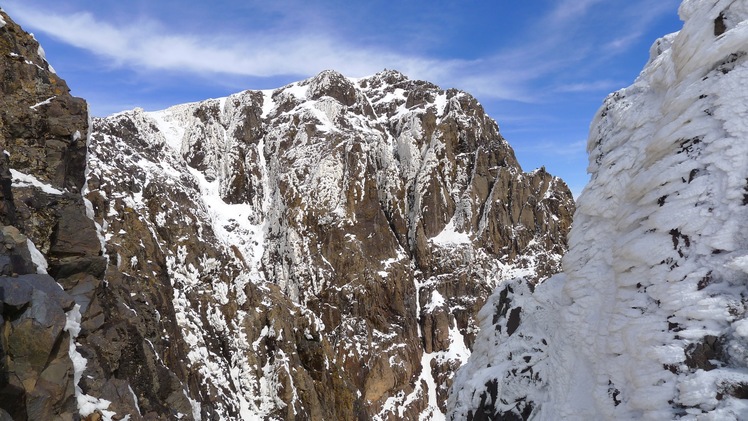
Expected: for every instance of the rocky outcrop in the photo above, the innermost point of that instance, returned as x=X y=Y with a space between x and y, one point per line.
x=36 y=373
x=648 y=319
x=47 y=238
x=325 y=245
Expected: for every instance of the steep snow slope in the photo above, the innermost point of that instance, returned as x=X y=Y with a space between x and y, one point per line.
x=648 y=319
x=322 y=248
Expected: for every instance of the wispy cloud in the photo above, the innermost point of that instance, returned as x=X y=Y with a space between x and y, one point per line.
x=557 y=148
x=592 y=86
x=567 y=11
x=516 y=73
x=624 y=42
x=637 y=16
x=144 y=45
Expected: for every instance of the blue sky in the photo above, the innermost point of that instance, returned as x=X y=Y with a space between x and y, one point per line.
x=541 y=68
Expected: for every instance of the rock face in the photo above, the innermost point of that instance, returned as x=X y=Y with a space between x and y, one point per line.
x=648 y=319
x=318 y=251
x=47 y=240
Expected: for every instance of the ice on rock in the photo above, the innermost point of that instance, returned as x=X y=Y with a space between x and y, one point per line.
x=648 y=318
x=451 y=237
x=37 y=257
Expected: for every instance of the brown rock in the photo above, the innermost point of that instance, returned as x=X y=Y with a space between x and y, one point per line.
x=74 y=234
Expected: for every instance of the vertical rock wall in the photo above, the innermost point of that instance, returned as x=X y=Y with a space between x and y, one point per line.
x=380 y=212
x=47 y=239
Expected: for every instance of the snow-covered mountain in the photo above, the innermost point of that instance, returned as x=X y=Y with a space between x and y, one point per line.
x=315 y=251
x=318 y=251
x=648 y=318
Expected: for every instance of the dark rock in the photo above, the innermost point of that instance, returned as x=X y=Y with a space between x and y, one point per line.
x=719 y=25
x=123 y=398
x=14 y=292
x=15 y=251
x=81 y=287
x=513 y=322
x=11 y=401
x=333 y=84
x=44 y=130
x=75 y=234
x=47 y=285
x=70 y=266
x=700 y=355
x=5 y=416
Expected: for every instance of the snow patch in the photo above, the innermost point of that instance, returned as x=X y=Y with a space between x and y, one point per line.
x=451 y=237
x=45 y=102
x=87 y=404
x=25 y=180
x=37 y=257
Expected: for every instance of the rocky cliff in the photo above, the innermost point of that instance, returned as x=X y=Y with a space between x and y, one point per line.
x=48 y=240
x=318 y=251
x=648 y=319
x=325 y=246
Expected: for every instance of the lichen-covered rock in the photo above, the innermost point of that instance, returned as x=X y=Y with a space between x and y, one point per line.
x=42 y=127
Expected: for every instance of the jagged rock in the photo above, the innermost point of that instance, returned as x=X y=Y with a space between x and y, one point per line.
x=43 y=132
x=15 y=293
x=74 y=234
x=36 y=373
x=43 y=127
x=16 y=257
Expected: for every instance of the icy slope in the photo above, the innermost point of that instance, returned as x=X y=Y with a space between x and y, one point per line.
x=322 y=248
x=648 y=320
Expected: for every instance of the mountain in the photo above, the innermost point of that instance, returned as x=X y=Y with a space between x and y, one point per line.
x=327 y=244
x=648 y=318
x=317 y=251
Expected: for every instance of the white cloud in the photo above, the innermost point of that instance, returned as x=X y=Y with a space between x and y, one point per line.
x=144 y=45
x=568 y=11
x=517 y=72
x=591 y=86
x=557 y=148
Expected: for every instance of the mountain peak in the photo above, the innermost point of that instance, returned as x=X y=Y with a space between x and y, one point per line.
x=333 y=84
